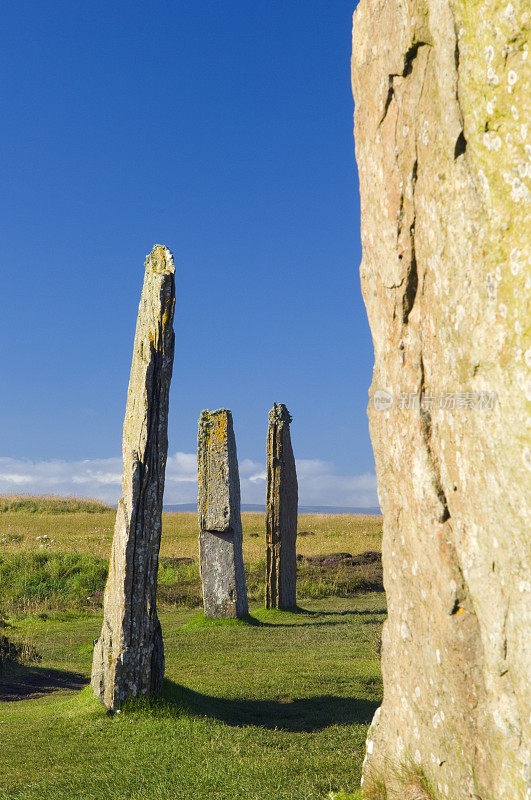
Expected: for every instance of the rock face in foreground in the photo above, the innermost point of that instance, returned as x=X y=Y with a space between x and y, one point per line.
x=220 y=525
x=441 y=126
x=129 y=655
x=281 y=512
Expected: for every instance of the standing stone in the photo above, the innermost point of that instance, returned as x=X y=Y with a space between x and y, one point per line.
x=281 y=512
x=220 y=525
x=129 y=655
x=442 y=105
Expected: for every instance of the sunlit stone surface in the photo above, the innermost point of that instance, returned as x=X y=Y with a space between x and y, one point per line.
x=129 y=655
x=441 y=126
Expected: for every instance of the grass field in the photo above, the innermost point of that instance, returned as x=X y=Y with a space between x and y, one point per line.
x=275 y=706
x=278 y=708
x=58 y=561
x=81 y=532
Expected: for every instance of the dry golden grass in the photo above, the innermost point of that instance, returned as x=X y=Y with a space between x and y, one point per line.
x=92 y=533
x=50 y=503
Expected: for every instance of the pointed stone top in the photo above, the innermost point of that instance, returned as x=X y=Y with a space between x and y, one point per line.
x=279 y=413
x=160 y=260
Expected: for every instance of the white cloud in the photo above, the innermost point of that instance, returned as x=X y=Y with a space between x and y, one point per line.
x=14 y=478
x=182 y=468
x=89 y=478
x=320 y=483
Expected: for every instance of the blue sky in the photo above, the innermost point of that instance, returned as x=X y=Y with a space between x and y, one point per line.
x=223 y=130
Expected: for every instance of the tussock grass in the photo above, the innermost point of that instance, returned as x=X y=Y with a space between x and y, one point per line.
x=404 y=779
x=413 y=781
x=20 y=651
x=16 y=652
x=374 y=786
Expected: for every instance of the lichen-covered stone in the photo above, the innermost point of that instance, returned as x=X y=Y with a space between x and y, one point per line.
x=281 y=512
x=220 y=526
x=441 y=127
x=129 y=655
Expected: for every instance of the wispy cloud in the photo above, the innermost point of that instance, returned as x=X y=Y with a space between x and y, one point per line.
x=320 y=483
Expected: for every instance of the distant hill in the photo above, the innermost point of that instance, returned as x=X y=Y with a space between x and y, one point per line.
x=191 y=507
x=55 y=504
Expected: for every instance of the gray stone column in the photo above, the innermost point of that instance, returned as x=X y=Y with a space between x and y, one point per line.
x=220 y=527
x=281 y=512
x=129 y=655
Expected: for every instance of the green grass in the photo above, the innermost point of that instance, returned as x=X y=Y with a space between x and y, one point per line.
x=31 y=582
x=53 y=560
x=47 y=581
x=276 y=706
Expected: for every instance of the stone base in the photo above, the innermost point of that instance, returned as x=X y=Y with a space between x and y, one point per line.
x=222 y=574
x=117 y=674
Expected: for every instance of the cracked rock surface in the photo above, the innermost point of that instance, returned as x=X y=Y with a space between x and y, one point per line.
x=442 y=105
x=129 y=655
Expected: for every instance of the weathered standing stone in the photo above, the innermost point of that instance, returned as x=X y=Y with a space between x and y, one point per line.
x=220 y=525
x=441 y=119
x=281 y=512
x=129 y=655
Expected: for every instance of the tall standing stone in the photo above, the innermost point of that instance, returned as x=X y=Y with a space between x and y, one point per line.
x=129 y=655
x=281 y=512
x=220 y=525
x=442 y=104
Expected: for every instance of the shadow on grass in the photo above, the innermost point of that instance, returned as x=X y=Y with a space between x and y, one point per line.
x=355 y=612
x=302 y=714
x=20 y=682
x=318 y=615
x=283 y=618
x=320 y=620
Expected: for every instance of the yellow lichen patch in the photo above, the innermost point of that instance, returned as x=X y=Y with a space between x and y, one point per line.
x=160 y=260
x=220 y=428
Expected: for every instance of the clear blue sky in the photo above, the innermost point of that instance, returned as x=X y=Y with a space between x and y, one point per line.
x=223 y=130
